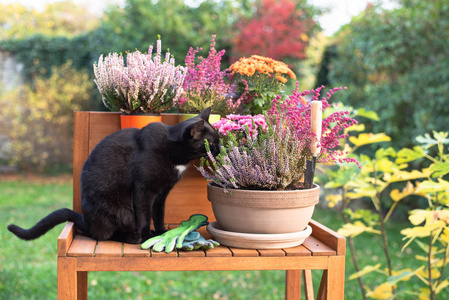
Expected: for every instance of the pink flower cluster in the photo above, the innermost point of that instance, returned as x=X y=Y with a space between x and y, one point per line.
x=237 y=124
x=298 y=116
x=204 y=83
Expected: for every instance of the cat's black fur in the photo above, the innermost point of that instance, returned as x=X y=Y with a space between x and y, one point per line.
x=126 y=179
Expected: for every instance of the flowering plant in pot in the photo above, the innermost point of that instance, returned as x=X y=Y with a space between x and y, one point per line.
x=257 y=80
x=205 y=84
x=264 y=160
x=146 y=83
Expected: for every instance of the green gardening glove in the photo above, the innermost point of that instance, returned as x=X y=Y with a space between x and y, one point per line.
x=175 y=237
x=194 y=240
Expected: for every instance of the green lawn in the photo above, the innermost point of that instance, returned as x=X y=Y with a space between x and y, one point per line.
x=28 y=269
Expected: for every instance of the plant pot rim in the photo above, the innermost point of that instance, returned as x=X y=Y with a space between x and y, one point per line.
x=140 y=113
x=257 y=240
x=263 y=198
x=315 y=186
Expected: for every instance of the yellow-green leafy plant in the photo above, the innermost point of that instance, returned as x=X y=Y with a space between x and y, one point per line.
x=430 y=229
x=346 y=183
x=376 y=181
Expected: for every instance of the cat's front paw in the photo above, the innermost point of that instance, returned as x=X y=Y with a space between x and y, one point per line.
x=133 y=238
x=157 y=232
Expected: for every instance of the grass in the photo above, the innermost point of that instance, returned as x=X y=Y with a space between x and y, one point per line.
x=28 y=269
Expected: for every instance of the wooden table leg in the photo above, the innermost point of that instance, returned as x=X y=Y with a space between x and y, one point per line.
x=308 y=285
x=332 y=284
x=67 y=278
x=293 y=284
x=81 y=285
x=336 y=278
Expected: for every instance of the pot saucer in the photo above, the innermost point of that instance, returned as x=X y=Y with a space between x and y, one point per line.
x=257 y=241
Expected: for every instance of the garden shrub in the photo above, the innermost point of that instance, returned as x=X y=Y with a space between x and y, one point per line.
x=39 y=118
x=395 y=62
x=377 y=180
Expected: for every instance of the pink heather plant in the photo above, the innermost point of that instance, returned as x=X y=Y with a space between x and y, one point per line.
x=275 y=157
x=145 y=84
x=234 y=124
x=298 y=116
x=205 y=84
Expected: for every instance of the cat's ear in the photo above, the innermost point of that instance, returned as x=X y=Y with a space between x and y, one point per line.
x=196 y=130
x=204 y=115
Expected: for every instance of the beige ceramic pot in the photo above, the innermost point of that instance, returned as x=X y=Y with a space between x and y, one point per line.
x=267 y=212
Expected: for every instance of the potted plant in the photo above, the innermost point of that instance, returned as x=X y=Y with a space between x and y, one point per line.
x=257 y=80
x=205 y=85
x=146 y=84
x=257 y=179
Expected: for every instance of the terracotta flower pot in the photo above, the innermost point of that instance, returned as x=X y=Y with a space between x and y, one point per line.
x=170 y=118
x=267 y=212
x=138 y=121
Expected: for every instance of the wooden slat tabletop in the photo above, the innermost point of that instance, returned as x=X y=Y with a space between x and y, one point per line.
x=318 y=248
x=83 y=246
x=109 y=249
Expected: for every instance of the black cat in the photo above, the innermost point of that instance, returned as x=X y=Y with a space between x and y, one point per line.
x=127 y=177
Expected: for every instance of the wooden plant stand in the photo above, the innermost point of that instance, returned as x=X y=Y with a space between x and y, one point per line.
x=77 y=254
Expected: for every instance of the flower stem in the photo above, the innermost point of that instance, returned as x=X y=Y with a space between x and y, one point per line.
x=376 y=199
x=429 y=268
x=443 y=266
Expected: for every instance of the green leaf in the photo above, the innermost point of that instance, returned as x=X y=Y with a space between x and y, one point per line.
x=381 y=153
x=385 y=165
x=441 y=137
x=426 y=141
x=442 y=286
x=369 y=138
x=432 y=186
x=332 y=185
x=358 y=127
x=344 y=175
x=364 y=271
x=364 y=214
x=407 y=155
x=440 y=169
x=367 y=114
x=404 y=175
x=404 y=275
x=356 y=228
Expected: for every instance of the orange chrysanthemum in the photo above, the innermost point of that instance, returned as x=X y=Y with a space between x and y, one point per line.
x=263 y=65
x=281 y=79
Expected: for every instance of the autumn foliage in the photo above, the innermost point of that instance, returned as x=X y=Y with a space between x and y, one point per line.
x=278 y=29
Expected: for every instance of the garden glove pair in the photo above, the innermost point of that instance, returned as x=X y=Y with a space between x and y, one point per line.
x=194 y=240
x=177 y=237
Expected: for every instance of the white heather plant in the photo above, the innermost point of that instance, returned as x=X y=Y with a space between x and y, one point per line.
x=145 y=84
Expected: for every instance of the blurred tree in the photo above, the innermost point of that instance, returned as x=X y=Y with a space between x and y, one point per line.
x=63 y=18
x=181 y=26
x=279 y=29
x=395 y=63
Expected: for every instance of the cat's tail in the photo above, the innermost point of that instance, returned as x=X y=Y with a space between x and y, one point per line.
x=43 y=226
